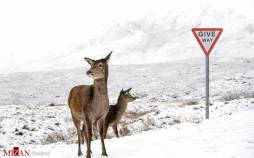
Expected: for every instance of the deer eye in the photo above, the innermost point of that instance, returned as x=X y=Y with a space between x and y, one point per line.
x=100 y=65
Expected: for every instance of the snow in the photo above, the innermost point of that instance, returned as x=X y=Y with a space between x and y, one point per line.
x=164 y=82
x=173 y=94
x=160 y=38
x=154 y=52
x=227 y=136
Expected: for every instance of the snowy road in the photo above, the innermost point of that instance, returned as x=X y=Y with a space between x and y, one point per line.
x=231 y=136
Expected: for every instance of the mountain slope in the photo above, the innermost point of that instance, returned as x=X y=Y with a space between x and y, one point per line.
x=150 y=38
x=164 y=37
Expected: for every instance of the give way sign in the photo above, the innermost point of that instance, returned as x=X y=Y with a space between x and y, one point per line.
x=207 y=38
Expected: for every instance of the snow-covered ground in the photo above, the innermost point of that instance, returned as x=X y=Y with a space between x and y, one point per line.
x=226 y=136
x=169 y=94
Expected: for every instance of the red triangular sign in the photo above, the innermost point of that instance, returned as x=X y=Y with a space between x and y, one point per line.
x=207 y=38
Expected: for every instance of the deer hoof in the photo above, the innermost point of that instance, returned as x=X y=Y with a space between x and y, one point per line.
x=88 y=155
x=104 y=154
x=80 y=153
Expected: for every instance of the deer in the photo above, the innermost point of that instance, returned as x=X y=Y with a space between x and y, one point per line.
x=116 y=111
x=89 y=103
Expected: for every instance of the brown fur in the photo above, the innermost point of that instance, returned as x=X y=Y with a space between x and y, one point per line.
x=89 y=103
x=116 y=111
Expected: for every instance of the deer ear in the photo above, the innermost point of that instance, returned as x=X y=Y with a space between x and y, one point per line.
x=107 y=58
x=128 y=90
x=90 y=61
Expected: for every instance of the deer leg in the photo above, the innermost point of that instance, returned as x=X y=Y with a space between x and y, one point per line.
x=105 y=129
x=95 y=130
x=77 y=124
x=89 y=137
x=115 y=130
x=100 y=127
x=84 y=135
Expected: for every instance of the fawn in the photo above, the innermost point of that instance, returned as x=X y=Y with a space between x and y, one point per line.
x=116 y=111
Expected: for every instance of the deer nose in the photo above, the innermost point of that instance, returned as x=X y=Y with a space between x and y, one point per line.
x=89 y=72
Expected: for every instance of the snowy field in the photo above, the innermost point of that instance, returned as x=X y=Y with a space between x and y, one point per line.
x=173 y=94
x=162 y=82
x=227 y=137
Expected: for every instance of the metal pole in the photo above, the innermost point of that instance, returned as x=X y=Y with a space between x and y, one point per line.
x=207 y=88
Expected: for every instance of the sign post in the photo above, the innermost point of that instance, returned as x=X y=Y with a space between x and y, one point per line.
x=207 y=87
x=207 y=38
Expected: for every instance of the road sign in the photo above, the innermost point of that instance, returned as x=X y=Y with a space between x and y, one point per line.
x=207 y=38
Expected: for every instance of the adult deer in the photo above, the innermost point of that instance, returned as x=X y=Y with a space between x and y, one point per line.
x=90 y=104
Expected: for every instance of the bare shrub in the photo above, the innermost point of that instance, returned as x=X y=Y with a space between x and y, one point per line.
x=248 y=94
x=138 y=114
x=191 y=102
x=177 y=120
x=134 y=114
x=238 y=95
x=52 y=104
x=52 y=138
x=231 y=96
x=124 y=131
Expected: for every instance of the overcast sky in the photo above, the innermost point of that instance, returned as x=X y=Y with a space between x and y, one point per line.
x=33 y=30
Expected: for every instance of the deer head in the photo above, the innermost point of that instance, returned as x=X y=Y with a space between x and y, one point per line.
x=125 y=94
x=99 y=68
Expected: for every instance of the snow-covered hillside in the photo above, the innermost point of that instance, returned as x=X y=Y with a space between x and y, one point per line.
x=147 y=38
x=163 y=82
x=162 y=38
x=34 y=111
